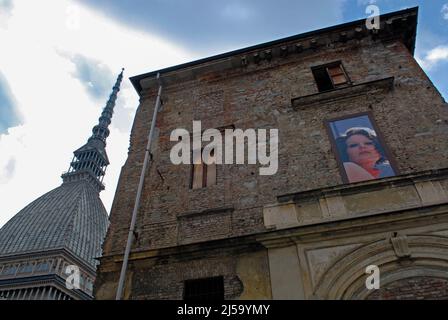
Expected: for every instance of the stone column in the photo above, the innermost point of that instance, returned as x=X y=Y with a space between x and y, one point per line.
x=284 y=268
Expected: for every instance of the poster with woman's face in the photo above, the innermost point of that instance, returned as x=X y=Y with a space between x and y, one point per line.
x=360 y=151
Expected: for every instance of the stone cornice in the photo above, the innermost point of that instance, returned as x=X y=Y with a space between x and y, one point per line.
x=432 y=214
x=53 y=280
x=348 y=92
x=285 y=237
x=366 y=186
x=36 y=255
x=205 y=212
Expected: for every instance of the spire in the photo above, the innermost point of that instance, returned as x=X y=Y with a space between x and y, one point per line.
x=101 y=131
x=90 y=161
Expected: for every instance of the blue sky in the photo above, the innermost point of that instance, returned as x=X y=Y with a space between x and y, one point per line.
x=57 y=67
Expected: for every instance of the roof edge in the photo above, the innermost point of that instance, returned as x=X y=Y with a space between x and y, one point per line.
x=135 y=80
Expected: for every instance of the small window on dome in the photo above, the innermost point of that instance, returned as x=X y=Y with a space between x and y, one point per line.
x=43 y=267
x=26 y=268
x=9 y=270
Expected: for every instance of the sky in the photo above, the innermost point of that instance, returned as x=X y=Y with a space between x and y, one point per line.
x=59 y=60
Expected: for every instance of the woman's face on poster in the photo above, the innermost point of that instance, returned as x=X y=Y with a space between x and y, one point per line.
x=359 y=149
x=362 y=150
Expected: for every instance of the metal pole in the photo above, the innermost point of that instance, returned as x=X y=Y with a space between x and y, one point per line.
x=137 y=199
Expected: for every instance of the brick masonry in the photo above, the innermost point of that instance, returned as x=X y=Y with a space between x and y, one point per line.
x=412 y=117
x=418 y=288
x=407 y=118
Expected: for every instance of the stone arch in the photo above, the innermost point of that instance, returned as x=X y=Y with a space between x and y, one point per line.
x=424 y=283
x=345 y=278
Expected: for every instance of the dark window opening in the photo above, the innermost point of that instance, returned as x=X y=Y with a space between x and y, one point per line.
x=209 y=289
x=331 y=76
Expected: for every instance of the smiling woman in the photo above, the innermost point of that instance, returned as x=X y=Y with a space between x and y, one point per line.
x=360 y=152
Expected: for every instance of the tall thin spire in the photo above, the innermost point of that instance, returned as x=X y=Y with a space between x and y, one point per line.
x=101 y=131
x=90 y=161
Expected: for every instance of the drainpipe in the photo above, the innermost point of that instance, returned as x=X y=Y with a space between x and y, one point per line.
x=148 y=157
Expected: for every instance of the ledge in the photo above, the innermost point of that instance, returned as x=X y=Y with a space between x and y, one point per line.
x=351 y=91
x=384 y=221
x=204 y=212
x=371 y=185
x=50 y=253
x=278 y=237
x=370 y=198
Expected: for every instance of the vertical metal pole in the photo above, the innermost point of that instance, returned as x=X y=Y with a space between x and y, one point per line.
x=122 y=280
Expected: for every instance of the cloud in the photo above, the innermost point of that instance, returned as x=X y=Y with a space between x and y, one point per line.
x=8 y=169
x=95 y=76
x=6 y=7
x=6 y=4
x=214 y=26
x=445 y=11
x=50 y=91
x=433 y=57
x=9 y=114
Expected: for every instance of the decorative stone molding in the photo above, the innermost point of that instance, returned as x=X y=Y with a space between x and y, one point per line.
x=431 y=192
x=192 y=214
x=345 y=279
x=57 y=260
x=348 y=92
x=284 y=215
x=394 y=194
x=401 y=246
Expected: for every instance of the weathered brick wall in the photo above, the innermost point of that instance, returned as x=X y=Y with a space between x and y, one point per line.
x=165 y=280
x=417 y=288
x=412 y=118
x=245 y=274
x=176 y=224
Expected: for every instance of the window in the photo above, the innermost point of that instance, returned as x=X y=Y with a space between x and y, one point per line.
x=9 y=270
x=330 y=76
x=26 y=268
x=43 y=267
x=209 y=289
x=89 y=285
x=203 y=175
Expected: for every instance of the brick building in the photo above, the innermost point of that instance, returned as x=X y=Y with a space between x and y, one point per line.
x=310 y=230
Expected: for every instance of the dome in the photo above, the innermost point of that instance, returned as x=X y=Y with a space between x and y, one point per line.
x=63 y=228
x=70 y=217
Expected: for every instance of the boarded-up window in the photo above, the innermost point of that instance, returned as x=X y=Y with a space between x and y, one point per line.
x=331 y=76
x=337 y=75
x=203 y=175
